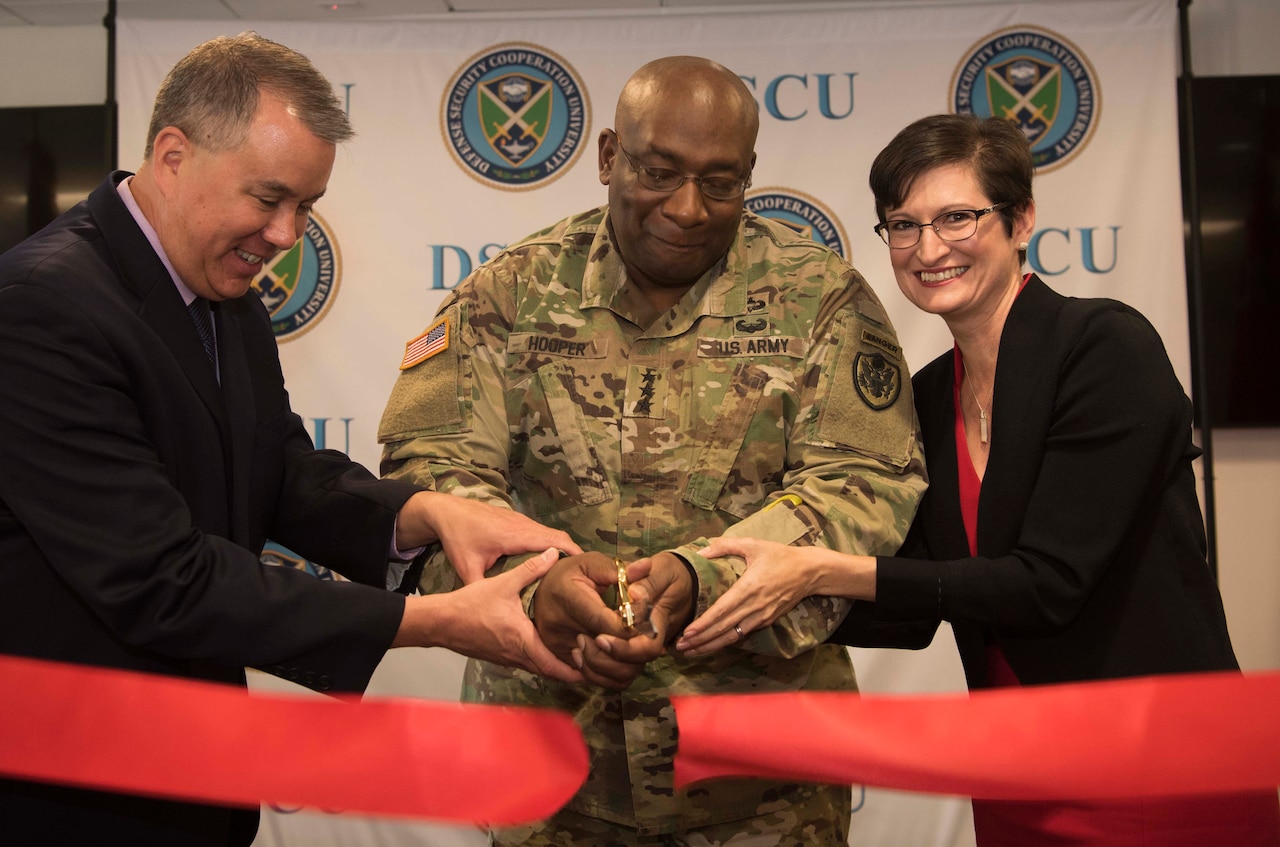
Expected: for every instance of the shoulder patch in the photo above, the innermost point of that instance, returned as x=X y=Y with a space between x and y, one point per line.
x=877 y=380
x=431 y=342
x=864 y=401
x=880 y=340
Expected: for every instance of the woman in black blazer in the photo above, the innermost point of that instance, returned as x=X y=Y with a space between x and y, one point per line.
x=1061 y=534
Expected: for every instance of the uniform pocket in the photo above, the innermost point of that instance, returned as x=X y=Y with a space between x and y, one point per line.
x=560 y=467
x=745 y=451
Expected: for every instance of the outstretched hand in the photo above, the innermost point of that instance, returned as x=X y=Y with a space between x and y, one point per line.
x=570 y=602
x=776 y=579
x=667 y=591
x=473 y=534
x=486 y=620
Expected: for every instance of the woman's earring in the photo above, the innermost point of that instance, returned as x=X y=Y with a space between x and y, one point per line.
x=1022 y=245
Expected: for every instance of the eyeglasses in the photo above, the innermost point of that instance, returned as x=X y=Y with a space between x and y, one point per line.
x=956 y=225
x=667 y=180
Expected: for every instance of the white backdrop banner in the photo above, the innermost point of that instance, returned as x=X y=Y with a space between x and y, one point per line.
x=475 y=130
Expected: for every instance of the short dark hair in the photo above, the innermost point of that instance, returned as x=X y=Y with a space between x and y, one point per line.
x=212 y=93
x=995 y=148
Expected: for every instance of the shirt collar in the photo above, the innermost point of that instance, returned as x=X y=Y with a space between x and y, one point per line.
x=717 y=292
x=130 y=203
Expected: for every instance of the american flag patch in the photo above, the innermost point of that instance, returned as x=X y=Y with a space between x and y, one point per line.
x=431 y=342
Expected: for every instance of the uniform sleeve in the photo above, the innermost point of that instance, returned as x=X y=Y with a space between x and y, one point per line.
x=1118 y=429
x=855 y=467
x=444 y=427
x=862 y=627
x=326 y=507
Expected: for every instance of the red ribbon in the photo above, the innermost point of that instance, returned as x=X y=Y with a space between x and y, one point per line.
x=165 y=737
x=1168 y=736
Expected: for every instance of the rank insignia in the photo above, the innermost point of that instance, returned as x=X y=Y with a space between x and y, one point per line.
x=877 y=380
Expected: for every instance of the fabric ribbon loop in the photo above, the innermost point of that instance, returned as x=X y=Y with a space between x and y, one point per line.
x=1160 y=736
x=165 y=737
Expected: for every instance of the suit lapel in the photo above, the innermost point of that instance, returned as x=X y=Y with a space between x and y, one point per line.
x=168 y=317
x=159 y=304
x=237 y=388
x=1017 y=448
x=933 y=392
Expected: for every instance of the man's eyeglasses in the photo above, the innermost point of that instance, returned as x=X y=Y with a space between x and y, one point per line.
x=956 y=225
x=667 y=180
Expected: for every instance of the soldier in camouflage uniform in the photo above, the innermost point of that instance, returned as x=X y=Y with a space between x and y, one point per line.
x=644 y=376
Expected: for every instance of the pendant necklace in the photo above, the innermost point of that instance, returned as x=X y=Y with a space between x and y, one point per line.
x=983 y=433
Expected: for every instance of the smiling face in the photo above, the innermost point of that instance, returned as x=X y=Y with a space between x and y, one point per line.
x=223 y=214
x=696 y=121
x=972 y=279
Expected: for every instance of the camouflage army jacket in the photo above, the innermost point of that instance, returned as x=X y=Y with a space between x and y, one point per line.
x=559 y=390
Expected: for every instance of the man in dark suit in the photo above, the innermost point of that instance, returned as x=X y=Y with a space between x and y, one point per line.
x=145 y=459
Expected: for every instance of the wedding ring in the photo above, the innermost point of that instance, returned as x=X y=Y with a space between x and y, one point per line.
x=738 y=630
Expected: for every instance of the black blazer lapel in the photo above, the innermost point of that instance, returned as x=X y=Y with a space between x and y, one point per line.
x=1018 y=434
x=237 y=388
x=159 y=305
x=168 y=317
x=933 y=390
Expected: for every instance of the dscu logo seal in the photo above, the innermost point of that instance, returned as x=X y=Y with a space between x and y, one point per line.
x=1038 y=79
x=801 y=212
x=515 y=116
x=278 y=554
x=299 y=285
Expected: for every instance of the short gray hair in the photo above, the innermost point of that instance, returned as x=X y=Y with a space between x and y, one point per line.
x=212 y=93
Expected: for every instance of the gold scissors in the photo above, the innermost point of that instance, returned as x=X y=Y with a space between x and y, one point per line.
x=626 y=609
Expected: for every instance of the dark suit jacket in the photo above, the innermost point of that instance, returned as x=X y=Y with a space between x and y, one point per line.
x=136 y=494
x=1091 y=549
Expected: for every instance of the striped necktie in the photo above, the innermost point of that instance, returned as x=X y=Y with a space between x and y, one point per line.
x=203 y=319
